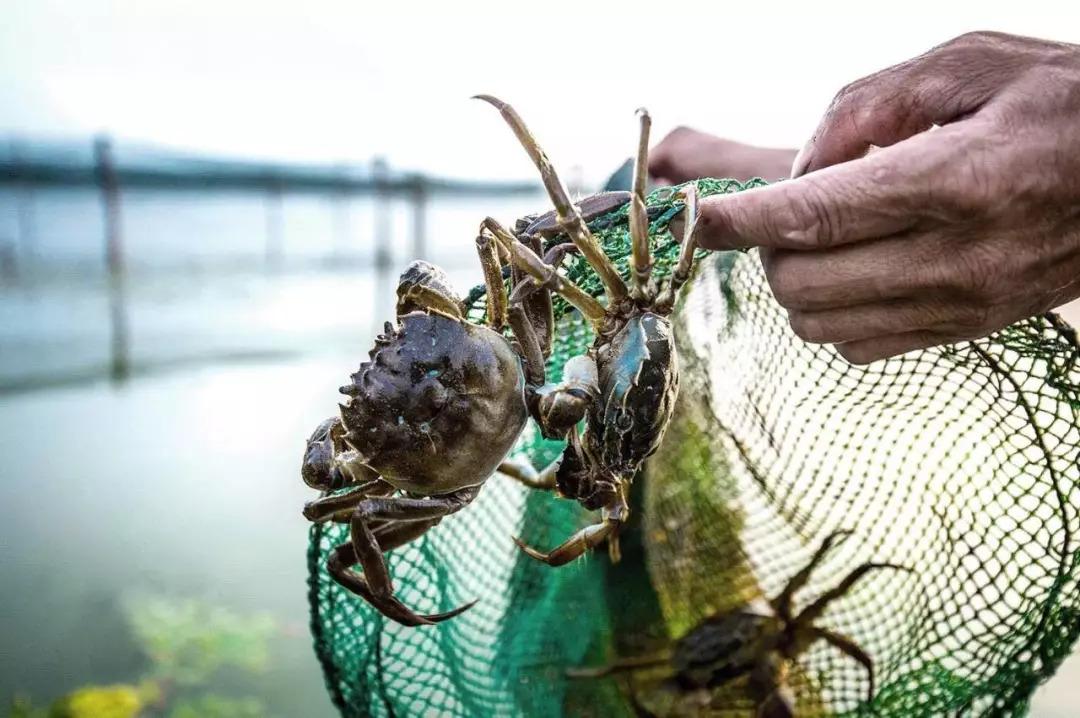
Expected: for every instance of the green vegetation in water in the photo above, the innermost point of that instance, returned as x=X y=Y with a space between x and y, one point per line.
x=187 y=643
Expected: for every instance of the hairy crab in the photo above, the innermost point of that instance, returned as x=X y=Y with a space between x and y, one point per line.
x=759 y=642
x=443 y=400
x=624 y=387
x=432 y=415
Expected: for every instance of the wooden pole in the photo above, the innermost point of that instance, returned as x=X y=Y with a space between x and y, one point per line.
x=9 y=266
x=342 y=222
x=25 y=224
x=383 y=252
x=419 y=219
x=275 y=229
x=120 y=354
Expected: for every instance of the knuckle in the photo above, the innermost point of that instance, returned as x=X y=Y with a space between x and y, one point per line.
x=663 y=153
x=680 y=139
x=974 y=38
x=809 y=219
x=864 y=97
x=680 y=132
x=975 y=181
x=846 y=107
x=963 y=52
x=975 y=273
x=971 y=318
x=848 y=94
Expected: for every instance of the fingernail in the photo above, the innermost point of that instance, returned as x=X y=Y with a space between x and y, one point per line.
x=802 y=161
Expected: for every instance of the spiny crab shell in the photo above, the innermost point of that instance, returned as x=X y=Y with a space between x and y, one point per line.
x=438 y=407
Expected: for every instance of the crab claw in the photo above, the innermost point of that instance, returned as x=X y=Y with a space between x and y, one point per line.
x=388 y=605
x=397 y=611
x=530 y=551
x=574 y=547
x=431 y=619
x=491 y=100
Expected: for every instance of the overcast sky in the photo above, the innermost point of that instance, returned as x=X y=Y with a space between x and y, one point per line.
x=344 y=81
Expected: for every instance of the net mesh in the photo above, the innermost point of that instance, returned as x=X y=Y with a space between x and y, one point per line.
x=960 y=463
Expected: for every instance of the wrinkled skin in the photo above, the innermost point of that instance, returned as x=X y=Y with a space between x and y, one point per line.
x=942 y=235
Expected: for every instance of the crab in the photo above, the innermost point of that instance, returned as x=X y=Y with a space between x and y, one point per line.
x=759 y=642
x=427 y=421
x=624 y=387
x=439 y=407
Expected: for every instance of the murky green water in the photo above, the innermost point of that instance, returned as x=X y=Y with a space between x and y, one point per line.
x=183 y=486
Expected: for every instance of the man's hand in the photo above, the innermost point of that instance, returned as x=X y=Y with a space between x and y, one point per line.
x=687 y=154
x=942 y=235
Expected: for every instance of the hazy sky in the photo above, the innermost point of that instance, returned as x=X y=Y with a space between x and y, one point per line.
x=343 y=81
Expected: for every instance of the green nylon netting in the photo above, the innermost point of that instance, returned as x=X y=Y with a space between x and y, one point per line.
x=960 y=463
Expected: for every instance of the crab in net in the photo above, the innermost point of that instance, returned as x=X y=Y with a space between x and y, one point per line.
x=443 y=400
x=758 y=642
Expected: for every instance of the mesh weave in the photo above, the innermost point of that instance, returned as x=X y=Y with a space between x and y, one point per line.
x=960 y=463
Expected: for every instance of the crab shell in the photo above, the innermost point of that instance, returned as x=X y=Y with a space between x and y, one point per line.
x=438 y=407
x=639 y=381
x=724 y=647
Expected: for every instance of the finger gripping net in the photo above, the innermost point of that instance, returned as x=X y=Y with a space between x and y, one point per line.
x=958 y=463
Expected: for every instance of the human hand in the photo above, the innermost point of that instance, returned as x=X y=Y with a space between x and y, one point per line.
x=687 y=154
x=941 y=235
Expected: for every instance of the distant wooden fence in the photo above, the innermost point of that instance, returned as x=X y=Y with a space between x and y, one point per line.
x=26 y=166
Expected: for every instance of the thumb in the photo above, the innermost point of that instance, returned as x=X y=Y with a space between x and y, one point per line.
x=941 y=86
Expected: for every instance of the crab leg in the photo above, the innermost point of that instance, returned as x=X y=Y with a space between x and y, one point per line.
x=426 y=287
x=847 y=646
x=488 y=251
x=324 y=508
x=782 y=603
x=575 y=546
x=640 y=261
x=568 y=214
x=525 y=259
x=629 y=663
x=558 y=408
x=686 y=253
x=813 y=612
x=530 y=477
x=526 y=288
x=537 y=304
x=585 y=539
x=339 y=566
x=369 y=553
x=531 y=351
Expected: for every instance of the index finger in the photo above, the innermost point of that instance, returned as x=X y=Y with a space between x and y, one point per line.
x=875 y=196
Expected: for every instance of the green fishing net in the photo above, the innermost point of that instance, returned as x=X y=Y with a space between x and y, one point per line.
x=960 y=463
